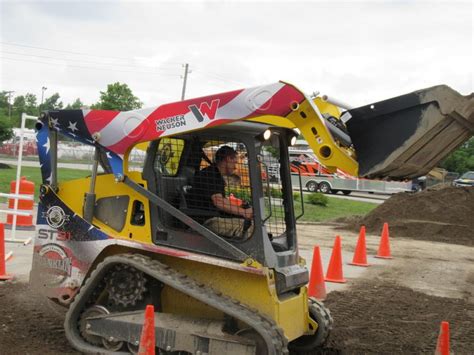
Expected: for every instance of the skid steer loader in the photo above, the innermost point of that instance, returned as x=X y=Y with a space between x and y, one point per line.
x=130 y=235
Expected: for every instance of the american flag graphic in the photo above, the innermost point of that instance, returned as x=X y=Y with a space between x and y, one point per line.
x=117 y=131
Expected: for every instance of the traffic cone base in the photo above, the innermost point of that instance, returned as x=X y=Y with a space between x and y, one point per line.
x=359 y=264
x=360 y=253
x=341 y=281
x=384 y=247
x=316 y=286
x=6 y=277
x=383 y=257
x=334 y=272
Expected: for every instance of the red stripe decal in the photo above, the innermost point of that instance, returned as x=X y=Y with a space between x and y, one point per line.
x=98 y=119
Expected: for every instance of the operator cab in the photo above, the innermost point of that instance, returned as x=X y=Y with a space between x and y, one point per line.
x=173 y=162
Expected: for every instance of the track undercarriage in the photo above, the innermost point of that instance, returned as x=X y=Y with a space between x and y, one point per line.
x=107 y=315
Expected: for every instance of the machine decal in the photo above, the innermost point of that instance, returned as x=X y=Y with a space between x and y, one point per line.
x=205 y=110
x=42 y=141
x=117 y=131
x=170 y=123
x=55 y=216
x=53 y=234
x=55 y=263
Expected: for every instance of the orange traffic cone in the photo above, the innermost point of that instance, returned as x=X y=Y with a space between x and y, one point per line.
x=442 y=346
x=360 y=254
x=384 y=247
x=3 y=275
x=334 y=273
x=317 y=287
x=147 y=339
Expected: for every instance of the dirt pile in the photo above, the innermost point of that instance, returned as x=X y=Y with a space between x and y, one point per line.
x=443 y=214
x=378 y=317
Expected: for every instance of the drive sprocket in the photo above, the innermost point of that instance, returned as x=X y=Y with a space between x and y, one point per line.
x=125 y=285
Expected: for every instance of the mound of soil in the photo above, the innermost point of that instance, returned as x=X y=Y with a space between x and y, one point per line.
x=384 y=318
x=444 y=214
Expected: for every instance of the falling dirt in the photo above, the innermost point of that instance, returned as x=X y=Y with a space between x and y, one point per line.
x=441 y=215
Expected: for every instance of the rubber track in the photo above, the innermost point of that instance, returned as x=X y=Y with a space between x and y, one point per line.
x=276 y=342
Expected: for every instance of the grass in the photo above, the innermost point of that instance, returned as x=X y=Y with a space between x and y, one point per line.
x=34 y=175
x=336 y=207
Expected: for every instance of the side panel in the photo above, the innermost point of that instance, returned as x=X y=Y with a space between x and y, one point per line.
x=70 y=193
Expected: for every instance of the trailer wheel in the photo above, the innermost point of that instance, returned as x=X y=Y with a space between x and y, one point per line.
x=324 y=187
x=346 y=192
x=312 y=186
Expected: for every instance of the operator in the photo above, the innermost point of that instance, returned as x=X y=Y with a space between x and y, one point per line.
x=208 y=193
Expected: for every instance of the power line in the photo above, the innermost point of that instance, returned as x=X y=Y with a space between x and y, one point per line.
x=84 y=67
x=70 y=52
x=221 y=78
x=82 y=61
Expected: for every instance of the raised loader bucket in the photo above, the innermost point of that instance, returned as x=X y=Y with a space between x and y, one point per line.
x=406 y=136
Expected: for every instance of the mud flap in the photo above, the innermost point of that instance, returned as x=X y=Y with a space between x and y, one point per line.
x=406 y=136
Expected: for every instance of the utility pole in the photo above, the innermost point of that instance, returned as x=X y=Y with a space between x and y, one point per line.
x=186 y=71
x=43 y=89
x=10 y=93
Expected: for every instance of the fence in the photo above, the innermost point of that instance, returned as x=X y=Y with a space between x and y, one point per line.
x=16 y=196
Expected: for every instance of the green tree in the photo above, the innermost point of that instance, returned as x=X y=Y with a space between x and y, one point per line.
x=462 y=159
x=5 y=127
x=24 y=104
x=76 y=105
x=117 y=97
x=52 y=103
x=3 y=101
x=31 y=104
x=5 y=124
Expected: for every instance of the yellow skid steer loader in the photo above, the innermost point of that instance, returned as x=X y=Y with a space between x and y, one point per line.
x=138 y=232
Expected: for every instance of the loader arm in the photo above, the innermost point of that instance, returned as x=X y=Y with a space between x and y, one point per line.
x=398 y=138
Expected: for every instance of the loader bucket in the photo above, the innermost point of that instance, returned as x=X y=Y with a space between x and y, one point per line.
x=406 y=136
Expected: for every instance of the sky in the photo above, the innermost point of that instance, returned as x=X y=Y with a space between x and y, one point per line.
x=358 y=52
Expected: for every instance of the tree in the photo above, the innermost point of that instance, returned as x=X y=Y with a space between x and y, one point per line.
x=462 y=159
x=4 y=101
x=24 y=104
x=76 y=105
x=5 y=124
x=52 y=103
x=117 y=97
x=5 y=127
x=31 y=104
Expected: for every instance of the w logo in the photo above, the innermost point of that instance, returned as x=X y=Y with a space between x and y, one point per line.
x=205 y=110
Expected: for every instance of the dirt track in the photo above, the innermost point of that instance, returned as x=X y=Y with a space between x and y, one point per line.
x=394 y=307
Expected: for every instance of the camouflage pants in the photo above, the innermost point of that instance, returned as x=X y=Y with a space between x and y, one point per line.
x=229 y=227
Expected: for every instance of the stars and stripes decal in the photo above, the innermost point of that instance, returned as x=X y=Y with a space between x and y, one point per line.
x=118 y=131
x=43 y=144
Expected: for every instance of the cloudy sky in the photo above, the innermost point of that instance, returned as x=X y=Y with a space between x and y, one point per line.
x=356 y=51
